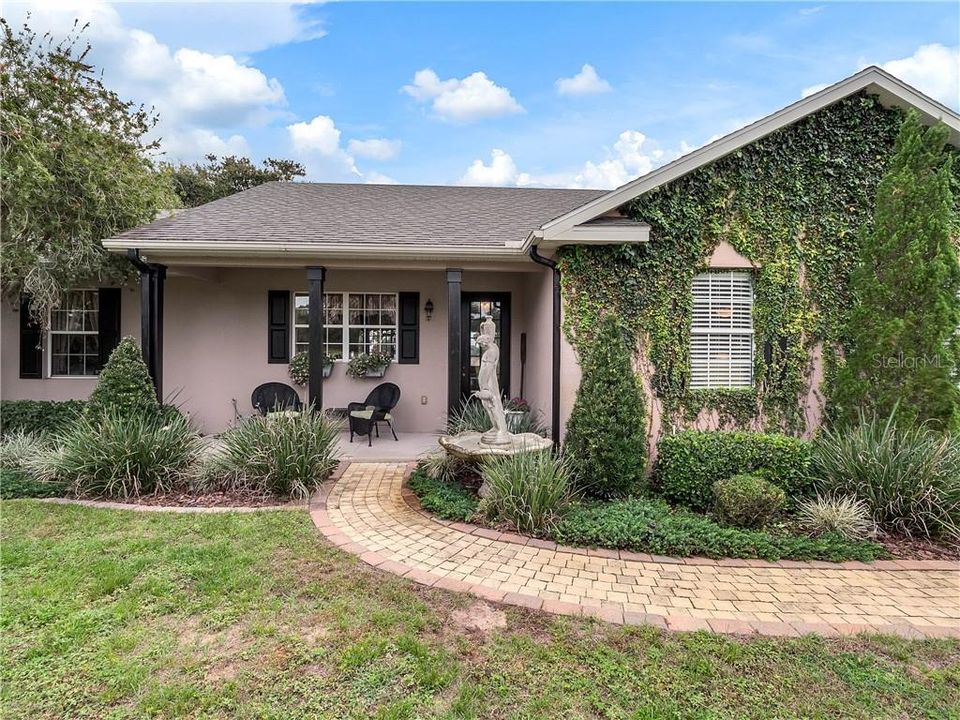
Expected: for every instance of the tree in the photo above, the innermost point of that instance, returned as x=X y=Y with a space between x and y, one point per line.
x=76 y=168
x=124 y=387
x=198 y=184
x=904 y=329
x=606 y=436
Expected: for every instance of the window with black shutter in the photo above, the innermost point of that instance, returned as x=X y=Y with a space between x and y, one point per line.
x=409 y=326
x=278 y=330
x=31 y=350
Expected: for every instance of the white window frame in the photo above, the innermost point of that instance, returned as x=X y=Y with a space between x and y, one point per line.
x=51 y=333
x=346 y=325
x=706 y=374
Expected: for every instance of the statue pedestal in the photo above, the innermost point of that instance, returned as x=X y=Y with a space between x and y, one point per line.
x=471 y=445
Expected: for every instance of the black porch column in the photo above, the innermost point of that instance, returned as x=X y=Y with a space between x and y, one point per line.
x=315 y=277
x=454 y=337
x=151 y=316
x=158 y=277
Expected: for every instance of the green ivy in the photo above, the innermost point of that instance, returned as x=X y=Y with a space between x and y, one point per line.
x=794 y=203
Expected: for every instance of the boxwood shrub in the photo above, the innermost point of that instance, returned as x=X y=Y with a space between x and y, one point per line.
x=38 y=417
x=691 y=461
x=747 y=500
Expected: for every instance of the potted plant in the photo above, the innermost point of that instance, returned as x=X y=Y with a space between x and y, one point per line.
x=300 y=368
x=516 y=409
x=369 y=365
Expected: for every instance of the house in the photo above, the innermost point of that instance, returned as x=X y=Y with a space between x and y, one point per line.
x=231 y=290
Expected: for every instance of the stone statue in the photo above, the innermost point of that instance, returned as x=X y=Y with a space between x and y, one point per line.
x=498 y=440
x=489 y=382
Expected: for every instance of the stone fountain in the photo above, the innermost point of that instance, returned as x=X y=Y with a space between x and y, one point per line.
x=498 y=440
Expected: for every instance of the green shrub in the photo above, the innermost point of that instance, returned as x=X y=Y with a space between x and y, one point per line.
x=529 y=490
x=287 y=454
x=18 y=457
x=124 y=387
x=909 y=477
x=690 y=462
x=38 y=417
x=123 y=456
x=444 y=466
x=469 y=416
x=606 y=440
x=747 y=500
x=444 y=498
x=844 y=515
x=652 y=526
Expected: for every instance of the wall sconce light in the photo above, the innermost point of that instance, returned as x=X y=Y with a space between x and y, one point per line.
x=428 y=309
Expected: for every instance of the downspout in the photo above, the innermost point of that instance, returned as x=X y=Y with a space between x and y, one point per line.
x=555 y=389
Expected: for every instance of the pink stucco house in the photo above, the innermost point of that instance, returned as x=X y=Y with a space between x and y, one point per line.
x=231 y=290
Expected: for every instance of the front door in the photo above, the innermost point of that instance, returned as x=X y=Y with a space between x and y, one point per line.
x=474 y=308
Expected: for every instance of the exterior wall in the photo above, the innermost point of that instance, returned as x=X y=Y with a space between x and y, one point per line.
x=13 y=387
x=215 y=342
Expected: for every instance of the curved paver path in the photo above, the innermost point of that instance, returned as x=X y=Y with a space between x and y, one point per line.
x=367 y=511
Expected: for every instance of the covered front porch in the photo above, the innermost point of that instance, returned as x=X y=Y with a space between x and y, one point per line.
x=212 y=333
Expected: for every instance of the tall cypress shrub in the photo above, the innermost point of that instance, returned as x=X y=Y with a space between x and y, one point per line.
x=124 y=387
x=606 y=435
x=904 y=352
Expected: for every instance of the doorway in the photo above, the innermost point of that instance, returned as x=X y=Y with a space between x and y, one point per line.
x=474 y=307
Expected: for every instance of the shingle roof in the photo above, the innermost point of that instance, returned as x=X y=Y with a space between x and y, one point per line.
x=355 y=214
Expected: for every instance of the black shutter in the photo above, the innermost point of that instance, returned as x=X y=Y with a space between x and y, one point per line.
x=109 y=319
x=278 y=330
x=31 y=350
x=409 y=343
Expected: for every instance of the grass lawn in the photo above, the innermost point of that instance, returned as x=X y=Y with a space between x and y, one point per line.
x=121 y=614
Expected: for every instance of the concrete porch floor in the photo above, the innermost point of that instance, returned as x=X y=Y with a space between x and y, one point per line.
x=410 y=446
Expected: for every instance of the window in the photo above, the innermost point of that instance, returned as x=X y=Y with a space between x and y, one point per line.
x=74 y=335
x=369 y=323
x=721 y=335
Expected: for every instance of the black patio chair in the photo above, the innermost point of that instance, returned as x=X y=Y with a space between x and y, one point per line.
x=274 y=396
x=365 y=417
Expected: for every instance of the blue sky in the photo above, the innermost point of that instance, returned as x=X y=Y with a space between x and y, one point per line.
x=490 y=93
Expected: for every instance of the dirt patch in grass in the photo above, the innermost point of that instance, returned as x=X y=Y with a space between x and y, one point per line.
x=481 y=618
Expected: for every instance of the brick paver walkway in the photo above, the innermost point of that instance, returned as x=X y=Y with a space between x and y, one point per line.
x=368 y=512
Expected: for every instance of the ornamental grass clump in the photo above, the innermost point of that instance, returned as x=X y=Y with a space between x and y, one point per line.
x=844 y=515
x=529 y=490
x=19 y=455
x=908 y=475
x=286 y=454
x=123 y=456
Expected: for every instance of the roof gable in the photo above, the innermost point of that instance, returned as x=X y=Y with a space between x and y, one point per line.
x=891 y=92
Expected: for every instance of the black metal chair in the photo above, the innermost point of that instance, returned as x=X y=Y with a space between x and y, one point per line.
x=365 y=417
x=273 y=397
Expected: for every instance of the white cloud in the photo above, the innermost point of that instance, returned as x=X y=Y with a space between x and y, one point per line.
x=317 y=144
x=933 y=69
x=814 y=89
x=472 y=98
x=375 y=148
x=632 y=155
x=193 y=91
x=190 y=145
x=585 y=82
x=501 y=171
x=376 y=178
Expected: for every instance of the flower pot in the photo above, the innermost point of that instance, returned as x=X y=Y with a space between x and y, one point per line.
x=515 y=419
x=375 y=372
x=327 y=370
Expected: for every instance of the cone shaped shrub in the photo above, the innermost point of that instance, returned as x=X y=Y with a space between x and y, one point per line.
x=606 y=437
x=124 y=388
x=904 y=356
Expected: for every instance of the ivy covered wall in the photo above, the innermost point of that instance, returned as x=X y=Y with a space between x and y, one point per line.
x=794 y=203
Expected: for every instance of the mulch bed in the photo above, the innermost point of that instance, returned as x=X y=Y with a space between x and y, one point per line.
x=904 y=548
x=239 y=498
